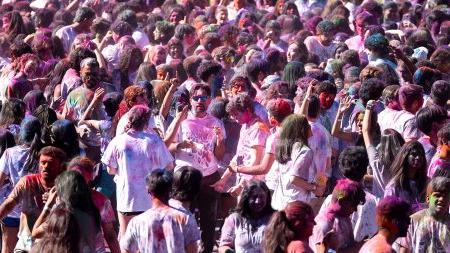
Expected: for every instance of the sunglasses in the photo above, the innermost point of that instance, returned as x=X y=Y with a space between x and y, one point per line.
x=200 y=98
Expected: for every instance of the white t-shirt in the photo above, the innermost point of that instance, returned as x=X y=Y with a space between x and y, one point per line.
x=320 y=144
x=67 y=35
x=160 y=230
x=387 y=118
x=111 y=55
x=135 y=155
x=314 y=46
x=250 y=136
x=11 y=164
x=271 y=176
x=406 y=125
x=140 y=38
x=201 y=132
x=300 y=165
x=155 y=124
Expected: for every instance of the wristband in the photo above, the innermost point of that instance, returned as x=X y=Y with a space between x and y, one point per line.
x=46 y=208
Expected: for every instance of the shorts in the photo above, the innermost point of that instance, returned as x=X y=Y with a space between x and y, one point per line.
x=11 y=222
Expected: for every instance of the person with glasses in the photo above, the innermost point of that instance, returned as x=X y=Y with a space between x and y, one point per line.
x=199 y=143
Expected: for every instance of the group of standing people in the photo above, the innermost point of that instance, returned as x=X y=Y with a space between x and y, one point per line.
x=293 y=126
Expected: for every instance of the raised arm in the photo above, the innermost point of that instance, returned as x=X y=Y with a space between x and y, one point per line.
x=165 y=106
x=336 y=131
x=366 y=130
x=305 y=102
x=98 y=96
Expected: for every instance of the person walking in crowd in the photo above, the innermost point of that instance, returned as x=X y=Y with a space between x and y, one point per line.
x=161 y=228
x=130 y=157
x=29 y=191
x=301 y=96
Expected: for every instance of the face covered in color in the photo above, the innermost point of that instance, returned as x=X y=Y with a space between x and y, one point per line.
x=257 y=200
x=326 y=100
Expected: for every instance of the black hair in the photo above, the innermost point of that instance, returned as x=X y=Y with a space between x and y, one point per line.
x=294 y=129
x=75 y=194
x=78 y=55
x=440 y=92
x=6 y=140
x=314 y=106
x=371 y=89
x=255 y=67
x=122 y=28
x=191 y=64
x=19 y=48
x=83 y=14
x=159 y=183
x=208 y=68
x=64 y=135
x=240 y=103
x=400 y=168
x=186 y=183
x=12 y=112
x=378 y=44
x=353 y=162
x=129 y=17
x=182 y=29
x=326 y=86
x=243 y=208
x=43 y=17
x=426 y=116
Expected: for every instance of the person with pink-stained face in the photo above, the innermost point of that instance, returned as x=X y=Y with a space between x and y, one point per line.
x=393 y=221
x=361 y=22
x=21 y=83
x=5 y=23
x=157 y=55
x=333 y=229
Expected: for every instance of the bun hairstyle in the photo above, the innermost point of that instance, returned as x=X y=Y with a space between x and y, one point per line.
x=138 y=117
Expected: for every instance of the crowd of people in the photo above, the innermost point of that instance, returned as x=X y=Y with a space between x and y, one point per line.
x=247 y=126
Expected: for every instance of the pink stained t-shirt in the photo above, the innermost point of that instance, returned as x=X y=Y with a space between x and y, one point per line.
x=251 y=135
x=201 y=132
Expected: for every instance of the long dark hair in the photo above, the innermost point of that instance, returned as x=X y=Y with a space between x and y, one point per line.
x=243 y=208
x=6 y=140
x=12 y=112
x=17 y=25
x=64 y=135
x=280 y=231
x=130 y=56
x=30 y=135
x=62 y=234
x=391 y=142
x=295 y=128
x=400 y=168
x=75 y=194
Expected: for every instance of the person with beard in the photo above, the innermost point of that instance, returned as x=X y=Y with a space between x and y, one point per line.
x=200 y=144
x=31 y=190
x=393 y=221
x=78 y=100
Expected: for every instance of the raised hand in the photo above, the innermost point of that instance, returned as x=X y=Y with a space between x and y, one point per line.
x=345 y=104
